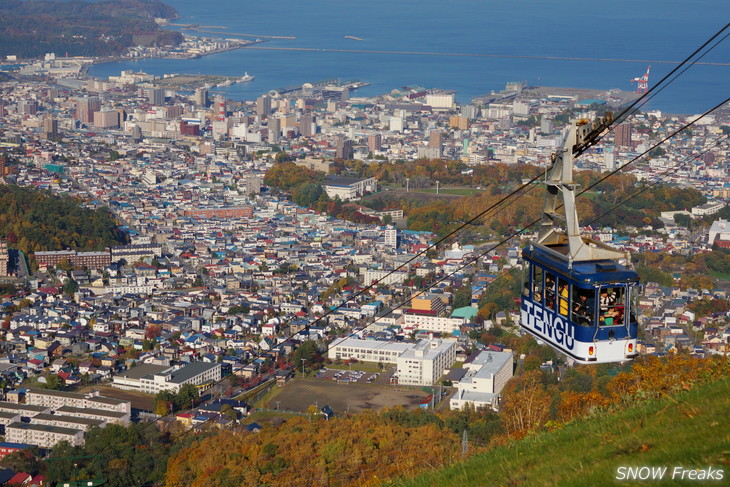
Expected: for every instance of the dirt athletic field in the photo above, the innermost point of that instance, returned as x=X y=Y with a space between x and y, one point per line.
x=139 y=400
x=298 y=395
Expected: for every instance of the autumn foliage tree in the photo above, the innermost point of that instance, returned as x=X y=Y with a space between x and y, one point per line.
x=526 y=404
x=653 y=376
x=363 y=450
x=152 y=331
x=576 y=404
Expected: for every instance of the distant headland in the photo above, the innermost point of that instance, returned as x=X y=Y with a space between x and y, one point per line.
x=108 y=29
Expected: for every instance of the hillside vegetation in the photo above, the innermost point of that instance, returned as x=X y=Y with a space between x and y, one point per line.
x=688 y=430
x=641 y=205
x=32 y=28
x=590 y=427
x=33 y=220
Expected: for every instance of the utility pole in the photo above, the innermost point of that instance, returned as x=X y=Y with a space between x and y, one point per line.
x=408 y=180
x=464 y=444
x=437 y=187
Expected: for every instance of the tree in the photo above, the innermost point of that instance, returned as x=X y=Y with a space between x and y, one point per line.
x=70 y=287
x=54 y=382
x=526 y=404
x=306 y=194
x=161 y=407
x=462 y=297
x=239 y=309
x=61 y=464
x=306 y=352
x=65 y=265
x=152 y=331
x=24 y=461
x=682 y=220
x=186 y=396
x=228 y=411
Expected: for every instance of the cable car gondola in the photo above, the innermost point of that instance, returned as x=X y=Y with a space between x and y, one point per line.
x=578 y=292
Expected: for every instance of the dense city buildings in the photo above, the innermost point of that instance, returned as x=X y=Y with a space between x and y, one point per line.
x=224 y=274
x=86 y=107
x=622 y=135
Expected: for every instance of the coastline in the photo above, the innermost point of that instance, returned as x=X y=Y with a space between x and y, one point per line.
x=182 y=57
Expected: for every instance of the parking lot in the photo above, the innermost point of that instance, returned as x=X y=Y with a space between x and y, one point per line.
x=359 y=376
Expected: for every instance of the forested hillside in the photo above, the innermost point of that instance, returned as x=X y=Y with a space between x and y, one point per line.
x=635 y=203
x=33 y=220
x=78 y=28
x=370 y=448
x=686 y=432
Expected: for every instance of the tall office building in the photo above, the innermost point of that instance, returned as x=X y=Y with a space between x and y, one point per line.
x=156 y=96
x=201 y=97
x=4 y=259
x=375 y=142
x=307 y=126
x=263 y=106
x=28 y=107
x=345 y=149
x=85 y=108
x=137 y=134
x=274 y=130
x=547 y=125
x=458 y=122
x=622 y=135
x=50 y=128
x=106 y=119
x=188 y=129
x=434 y=139
x=392 y=237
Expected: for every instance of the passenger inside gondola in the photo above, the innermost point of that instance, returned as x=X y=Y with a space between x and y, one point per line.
x=537 y=284
x=612 y=309
x=549 y=291
x=563 y=298
x=582 y=306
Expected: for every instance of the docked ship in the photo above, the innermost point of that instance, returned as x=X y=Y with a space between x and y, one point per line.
x=246 y=78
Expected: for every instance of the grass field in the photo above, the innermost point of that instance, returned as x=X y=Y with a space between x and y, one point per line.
x=299 y=394
x=688 y=430
x=454 y=191
x=414 y=194
x=720 y=275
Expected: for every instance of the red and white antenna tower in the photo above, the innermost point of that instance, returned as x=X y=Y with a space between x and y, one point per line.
x=220 y=104
x=643 y=82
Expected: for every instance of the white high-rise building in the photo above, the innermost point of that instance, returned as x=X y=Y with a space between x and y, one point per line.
x=391 y=237
x=486 y=375
x=424 y=364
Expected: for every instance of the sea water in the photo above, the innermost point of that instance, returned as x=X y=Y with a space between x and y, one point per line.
x=470 y=46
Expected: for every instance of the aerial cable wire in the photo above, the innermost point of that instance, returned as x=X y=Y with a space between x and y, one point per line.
x=501 y=242
x=659 y=179
x=674 y=70
x=502 y=201
x=525 y=185
x=677 y=75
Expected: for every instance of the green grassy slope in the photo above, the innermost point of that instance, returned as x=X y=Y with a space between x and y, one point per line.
x=691 y=430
